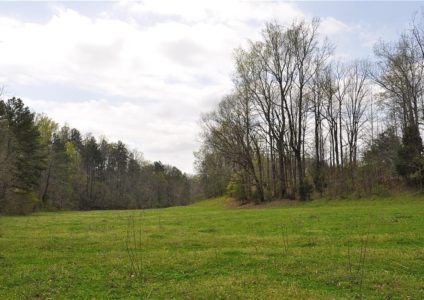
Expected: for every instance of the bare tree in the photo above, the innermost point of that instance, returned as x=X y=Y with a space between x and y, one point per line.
x=355 y=105
x=231 y=132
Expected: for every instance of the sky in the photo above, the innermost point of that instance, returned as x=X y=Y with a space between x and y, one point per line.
x=144 y=71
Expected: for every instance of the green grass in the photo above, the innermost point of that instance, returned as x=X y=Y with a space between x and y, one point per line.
x=208 y=251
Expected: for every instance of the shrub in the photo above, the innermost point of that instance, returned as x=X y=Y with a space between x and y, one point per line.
x=235 y=189
x=19 y=202
x=306 y=189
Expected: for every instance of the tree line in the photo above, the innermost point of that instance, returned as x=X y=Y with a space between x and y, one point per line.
x=300 y=122
x=45 y=166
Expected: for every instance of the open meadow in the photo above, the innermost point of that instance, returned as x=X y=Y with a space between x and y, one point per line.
x=321 y=249
x=299 y=123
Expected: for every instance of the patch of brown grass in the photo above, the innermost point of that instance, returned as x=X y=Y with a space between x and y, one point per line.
x=233 y=203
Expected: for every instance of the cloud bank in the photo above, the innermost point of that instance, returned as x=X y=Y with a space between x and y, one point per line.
x=141 y=72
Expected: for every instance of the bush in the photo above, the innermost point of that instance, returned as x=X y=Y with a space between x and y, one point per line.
x=235 y=190
x=19 y=202
x=306 y=189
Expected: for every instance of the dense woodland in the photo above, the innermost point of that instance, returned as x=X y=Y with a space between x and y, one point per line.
x=44 y=166
x=301 y=123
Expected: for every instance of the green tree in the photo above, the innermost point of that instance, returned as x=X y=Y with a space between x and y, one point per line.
x=410 y=161
x=28 y=158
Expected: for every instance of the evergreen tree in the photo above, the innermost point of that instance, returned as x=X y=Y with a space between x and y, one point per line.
x=25 y=154
x=410 y=162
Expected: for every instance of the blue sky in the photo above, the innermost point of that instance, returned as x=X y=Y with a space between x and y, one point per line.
x=144 y=71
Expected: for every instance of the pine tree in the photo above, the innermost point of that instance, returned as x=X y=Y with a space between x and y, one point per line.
x=25 y=156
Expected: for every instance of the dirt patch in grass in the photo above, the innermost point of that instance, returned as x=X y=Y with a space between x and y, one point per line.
x=233 y=203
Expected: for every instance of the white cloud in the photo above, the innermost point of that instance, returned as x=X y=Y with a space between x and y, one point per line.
x=141 y=128
x=158 y=63
x=331 y=26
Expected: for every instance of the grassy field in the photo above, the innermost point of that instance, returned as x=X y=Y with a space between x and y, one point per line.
x=335 y=249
